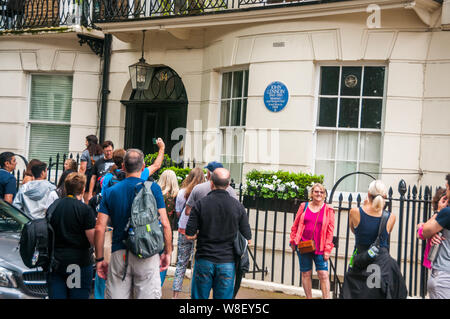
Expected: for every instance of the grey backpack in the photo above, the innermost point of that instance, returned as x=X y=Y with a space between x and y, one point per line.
x=145 y=237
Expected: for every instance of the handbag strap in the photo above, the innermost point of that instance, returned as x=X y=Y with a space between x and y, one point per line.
x=383 y=223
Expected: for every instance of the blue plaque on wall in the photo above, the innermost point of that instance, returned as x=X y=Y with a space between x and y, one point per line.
x=276 y=96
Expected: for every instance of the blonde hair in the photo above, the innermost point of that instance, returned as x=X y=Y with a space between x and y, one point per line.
x=377 y=194
x=195 y=177
x=169 y=183
x=310 y=193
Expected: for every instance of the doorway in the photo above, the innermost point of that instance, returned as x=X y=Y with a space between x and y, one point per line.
x=147 y=121
x=156 y=112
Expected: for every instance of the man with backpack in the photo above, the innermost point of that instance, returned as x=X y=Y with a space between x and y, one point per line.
x=133 y=271
x=61 y=243
x=73 y=224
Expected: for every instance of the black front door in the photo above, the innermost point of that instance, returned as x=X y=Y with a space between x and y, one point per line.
x=146 y=121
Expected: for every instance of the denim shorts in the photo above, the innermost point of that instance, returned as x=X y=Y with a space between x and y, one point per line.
x=306 y=261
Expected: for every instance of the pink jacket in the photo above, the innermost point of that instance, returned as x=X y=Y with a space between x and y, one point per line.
x=327 y=231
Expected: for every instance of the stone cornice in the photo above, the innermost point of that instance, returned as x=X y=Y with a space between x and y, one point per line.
x=426 y=10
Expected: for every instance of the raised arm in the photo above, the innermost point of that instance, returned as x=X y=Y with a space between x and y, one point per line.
x=159 y=159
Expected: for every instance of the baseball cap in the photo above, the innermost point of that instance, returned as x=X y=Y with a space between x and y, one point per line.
x=213 y=165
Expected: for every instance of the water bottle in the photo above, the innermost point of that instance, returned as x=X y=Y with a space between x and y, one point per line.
x=373 y=251
x=130 y=231
x=433 y=251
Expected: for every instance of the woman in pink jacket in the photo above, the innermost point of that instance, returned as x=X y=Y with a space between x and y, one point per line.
x=314 y=220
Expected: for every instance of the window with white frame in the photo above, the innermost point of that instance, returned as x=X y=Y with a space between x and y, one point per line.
x=49 y=118
x=233 y=112
x=349 y=123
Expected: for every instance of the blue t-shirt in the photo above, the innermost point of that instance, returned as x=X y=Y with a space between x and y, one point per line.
x=443 y=218
x=145 y=174
x=116 y=203
x=7 y=184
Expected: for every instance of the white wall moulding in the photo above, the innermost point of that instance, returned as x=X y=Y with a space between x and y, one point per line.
x=64 y=61
x=378 y=44
x=29 y=61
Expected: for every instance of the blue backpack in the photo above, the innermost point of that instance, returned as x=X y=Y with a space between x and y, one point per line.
x=117 y=177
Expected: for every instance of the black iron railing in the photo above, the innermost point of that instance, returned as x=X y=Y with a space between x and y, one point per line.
x=35 y=14
x=32 y=14
x=120 y=10
x=271 y=258
x=271 y=222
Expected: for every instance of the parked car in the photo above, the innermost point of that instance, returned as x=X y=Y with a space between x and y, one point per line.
x=16 y=280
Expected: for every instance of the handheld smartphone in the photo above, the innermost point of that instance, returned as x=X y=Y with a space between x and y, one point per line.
x=154 y=140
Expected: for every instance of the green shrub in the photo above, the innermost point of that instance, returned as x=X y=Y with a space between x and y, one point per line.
x=150 y=158
x=280 y=184
x=181 y=173
x=167 y=162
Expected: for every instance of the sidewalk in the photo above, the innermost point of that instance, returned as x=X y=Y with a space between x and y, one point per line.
x=244 y=293
x=247 y=290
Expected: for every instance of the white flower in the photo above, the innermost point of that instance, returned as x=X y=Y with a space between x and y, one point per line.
x=275 y=177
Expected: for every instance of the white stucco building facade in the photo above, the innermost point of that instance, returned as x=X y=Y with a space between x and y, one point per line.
x=291 y=45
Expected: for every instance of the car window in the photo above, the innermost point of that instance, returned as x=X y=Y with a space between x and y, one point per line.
x=11 y=219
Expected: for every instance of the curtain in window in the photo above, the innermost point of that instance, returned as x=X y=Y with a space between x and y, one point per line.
x=50 y=108
x=48 y=140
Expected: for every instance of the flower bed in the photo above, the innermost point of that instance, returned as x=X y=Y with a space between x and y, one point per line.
x=279 y=190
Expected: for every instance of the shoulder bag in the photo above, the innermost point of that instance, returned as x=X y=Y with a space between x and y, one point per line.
x=360 y=260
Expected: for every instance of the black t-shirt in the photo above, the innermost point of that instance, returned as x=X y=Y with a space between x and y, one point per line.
x=217 y=217
x=70 y=220
x=101 y=167
x=443 y=218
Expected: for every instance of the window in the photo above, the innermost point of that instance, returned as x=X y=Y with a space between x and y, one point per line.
x=233 y=112
x=349 y=124
x=49 y=119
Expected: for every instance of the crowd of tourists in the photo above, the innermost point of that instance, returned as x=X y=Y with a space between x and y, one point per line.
x=96 y=204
